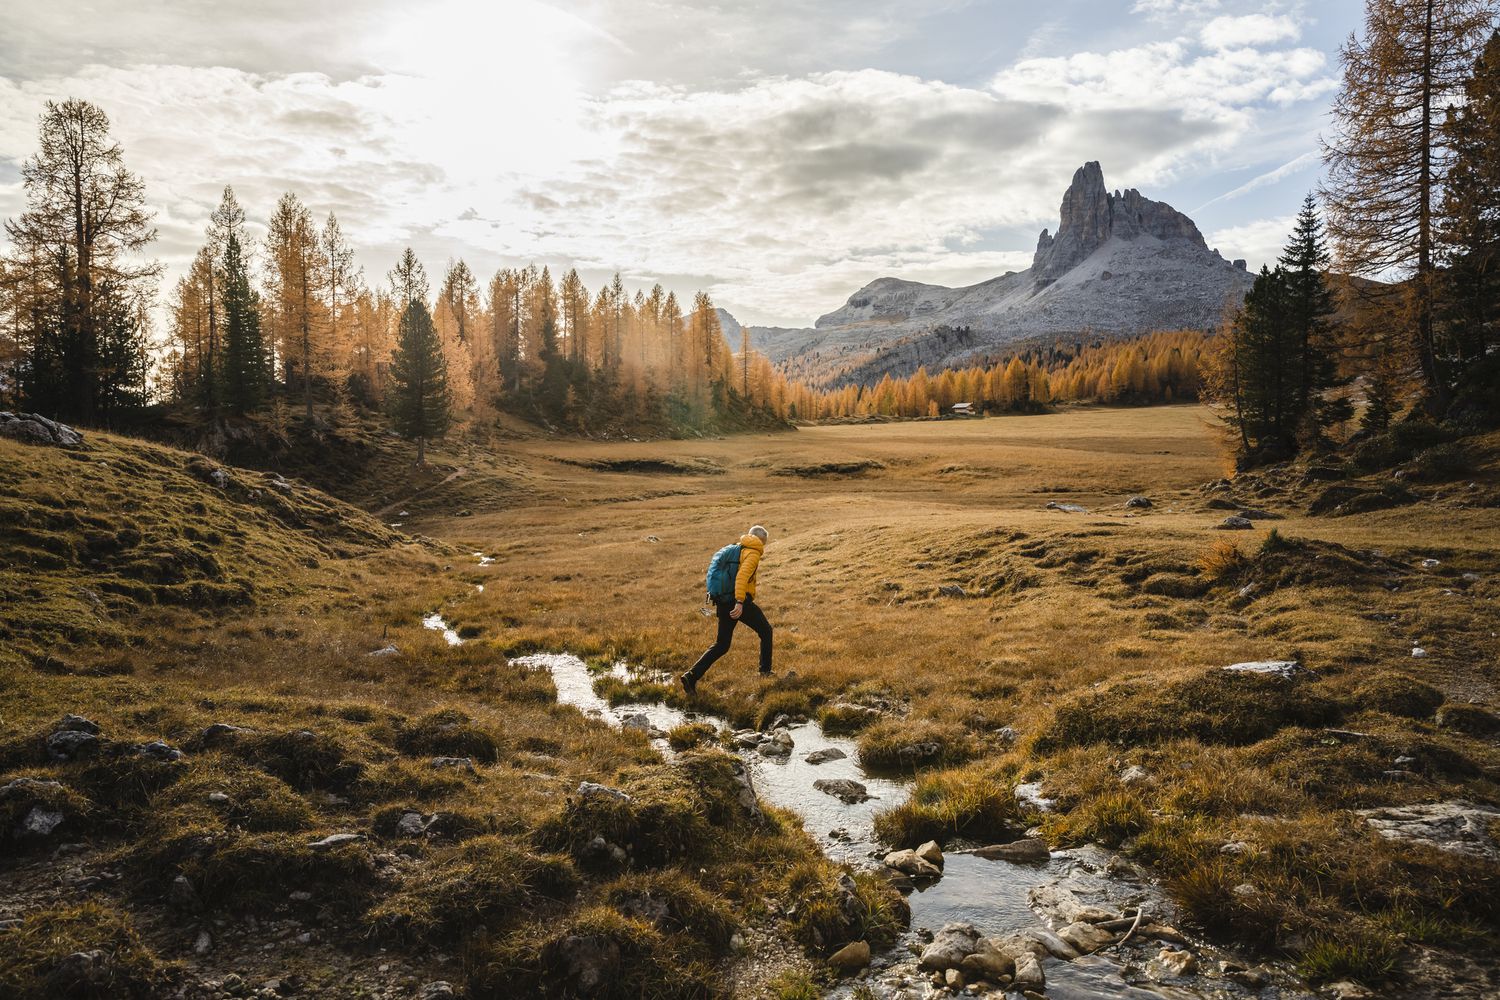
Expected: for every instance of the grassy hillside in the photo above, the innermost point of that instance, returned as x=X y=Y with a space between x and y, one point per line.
x=190 y=708
x=1082 y=645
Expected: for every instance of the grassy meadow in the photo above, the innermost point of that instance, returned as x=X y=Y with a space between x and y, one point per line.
x=1080 y=645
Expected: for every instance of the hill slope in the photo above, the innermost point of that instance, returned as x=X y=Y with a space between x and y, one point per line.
x=100 y=537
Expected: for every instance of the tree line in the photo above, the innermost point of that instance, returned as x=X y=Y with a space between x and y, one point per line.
x=290 y=319
x=1409 y=223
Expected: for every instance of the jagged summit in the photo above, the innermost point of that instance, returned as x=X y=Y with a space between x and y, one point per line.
x=1120 y=263
x=1091 y=217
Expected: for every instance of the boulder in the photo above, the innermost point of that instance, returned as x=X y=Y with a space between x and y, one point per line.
x=636 y=720
x=70 y=744
x=779 y=745
x=1028 y=972
x=1458 y=826
x=1026 y=850
x=1251 y=514
x=845 y=790
x=908 y=863
x=988 y=964
x=1235 y=523
x=458 y=763
x=825 y=755
x=439 y=989
x=1172 y=963
x=412 y=824
x=851 y=957
x=1138 y=503
x=952 y=590
x=931 y=853
x=949 y=947
x=1085 y=936
x=1067 y=508
x=33 y=428
x=1134 y=774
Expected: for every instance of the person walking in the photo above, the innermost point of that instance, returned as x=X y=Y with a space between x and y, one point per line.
x=731 y=590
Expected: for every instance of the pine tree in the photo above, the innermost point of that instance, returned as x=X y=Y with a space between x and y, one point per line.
x=1388 y=160
x=1312 y=366
x=1469 y=229
x=244 y=366
x=419 y=400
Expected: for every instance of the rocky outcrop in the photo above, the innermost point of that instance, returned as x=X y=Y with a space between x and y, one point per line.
x=33 y=428
x=1091 y=217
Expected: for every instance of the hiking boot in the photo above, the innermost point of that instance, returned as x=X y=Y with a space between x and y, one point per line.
x=689 y=684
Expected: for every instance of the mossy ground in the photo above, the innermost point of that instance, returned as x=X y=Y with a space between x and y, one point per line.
x=327 y=739
x=1082 y=644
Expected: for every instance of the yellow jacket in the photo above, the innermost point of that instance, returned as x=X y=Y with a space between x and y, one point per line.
x=751 y=549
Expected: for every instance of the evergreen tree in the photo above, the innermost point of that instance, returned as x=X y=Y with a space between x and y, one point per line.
x=245 y=365
x=419 y=399
x=1470 y=223
x=1311 y=364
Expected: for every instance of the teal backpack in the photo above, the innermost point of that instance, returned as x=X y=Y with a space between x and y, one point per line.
x=722 y=569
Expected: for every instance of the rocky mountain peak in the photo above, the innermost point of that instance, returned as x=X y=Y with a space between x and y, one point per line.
x=1091 y=216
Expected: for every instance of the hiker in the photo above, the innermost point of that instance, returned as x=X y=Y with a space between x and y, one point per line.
x=731 y=589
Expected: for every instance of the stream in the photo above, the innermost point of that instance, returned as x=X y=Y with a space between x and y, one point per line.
x=996 y=897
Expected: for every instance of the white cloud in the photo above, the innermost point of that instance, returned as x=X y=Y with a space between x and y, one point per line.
x=1251 y=30
x=1259 y=242
x=456 y=131
x=1304 y=162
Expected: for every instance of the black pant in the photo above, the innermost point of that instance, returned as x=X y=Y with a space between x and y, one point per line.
x=753 y=616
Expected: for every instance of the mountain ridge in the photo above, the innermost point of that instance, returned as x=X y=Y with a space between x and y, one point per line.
x=1119 y=264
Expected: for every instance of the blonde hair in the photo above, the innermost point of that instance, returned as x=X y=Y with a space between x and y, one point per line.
x=759 y=532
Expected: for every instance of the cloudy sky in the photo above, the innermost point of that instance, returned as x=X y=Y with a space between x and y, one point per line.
x=777 y=153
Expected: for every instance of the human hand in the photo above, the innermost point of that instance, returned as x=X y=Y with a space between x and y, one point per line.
x=739 y=609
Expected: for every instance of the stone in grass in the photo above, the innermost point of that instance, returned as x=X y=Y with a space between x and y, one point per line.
x=1070 y=508
x=1030 y=796
x=336 y=840
x=851 y=957
x=1028 y=849
x=846 y=790
x=952 y=590
x=1235 y=523
x=455 y=763
x=1285 y=669
x=590 y=789
x=1138 y=503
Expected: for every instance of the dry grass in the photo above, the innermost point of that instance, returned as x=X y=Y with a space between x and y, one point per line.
x=1095 y=637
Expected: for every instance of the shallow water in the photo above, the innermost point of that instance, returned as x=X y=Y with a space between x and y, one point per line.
x=991 y=895
x=435 y=622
